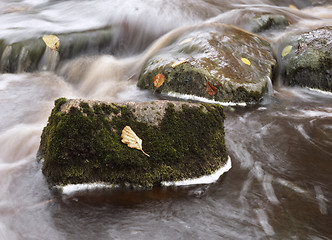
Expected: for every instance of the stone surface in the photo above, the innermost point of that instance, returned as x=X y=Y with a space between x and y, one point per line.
x=309 y=62
x=267 y=22
x=213 y=54
x=82 y=142
x=30 y=55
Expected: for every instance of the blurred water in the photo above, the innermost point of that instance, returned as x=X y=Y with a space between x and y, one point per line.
x=279 y=186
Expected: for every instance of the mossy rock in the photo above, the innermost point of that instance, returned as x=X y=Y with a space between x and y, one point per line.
x=306 y=59
x=215 y=54
x=82 y=142
x=26 y=55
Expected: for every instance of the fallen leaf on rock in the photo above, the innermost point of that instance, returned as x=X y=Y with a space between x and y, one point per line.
x=286 y=50
x=159 y=80
x=130 y=138
x=211 y=90
x=175 y=64
x=246 y=61
x=52 y=41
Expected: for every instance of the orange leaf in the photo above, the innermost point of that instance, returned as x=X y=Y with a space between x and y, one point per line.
x=159 y=80
x=211 y=89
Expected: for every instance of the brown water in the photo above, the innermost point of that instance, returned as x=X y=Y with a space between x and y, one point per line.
x=279 y=186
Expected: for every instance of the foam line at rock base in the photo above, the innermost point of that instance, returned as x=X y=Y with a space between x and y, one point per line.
x=202 y=99
x=71 y=189
x=320 y=91
x=204 y=179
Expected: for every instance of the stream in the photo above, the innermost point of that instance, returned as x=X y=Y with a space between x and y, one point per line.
x=280 y=183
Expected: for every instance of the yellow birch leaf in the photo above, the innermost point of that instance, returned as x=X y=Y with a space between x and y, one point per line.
x=292 y=7
x=159 y=80
x=286 y=50
x=130 y=138
x=175 y=64
x=52 y=41
x=246 y=61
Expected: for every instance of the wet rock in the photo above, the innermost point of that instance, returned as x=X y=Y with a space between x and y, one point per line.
x=306 y=59
x=82 y=142
x=267 y=22
x=30 y=55
x=235 y=64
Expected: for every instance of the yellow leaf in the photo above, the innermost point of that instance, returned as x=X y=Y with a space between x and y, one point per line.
x=159 y=80
x=175 y=64
x=246 y=61
x=286 y=50
x=130 y=138
x=52 y=41
x=292 y=7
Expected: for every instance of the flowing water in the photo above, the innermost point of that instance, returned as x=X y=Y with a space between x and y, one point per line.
x=279 y=186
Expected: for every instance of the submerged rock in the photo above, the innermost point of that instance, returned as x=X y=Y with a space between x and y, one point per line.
x=30 y=55
x=218 y=62
x=267 y=22
x=306 y=59
x=82 y=142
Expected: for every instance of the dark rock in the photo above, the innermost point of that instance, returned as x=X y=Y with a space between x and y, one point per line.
x=213 y=55
x=267 y=22
x=309 y=61
x=28 y=55
x=82 y=142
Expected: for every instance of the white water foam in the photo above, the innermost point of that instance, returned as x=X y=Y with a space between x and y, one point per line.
x=71 y=189
x=320 y=91
x=202 y=99
x=204 y=179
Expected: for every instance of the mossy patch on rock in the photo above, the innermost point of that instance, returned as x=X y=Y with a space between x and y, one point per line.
x=82 y=142
x=309 y=61
x=213 y=53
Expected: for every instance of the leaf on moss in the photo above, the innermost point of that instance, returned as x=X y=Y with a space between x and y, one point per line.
x=159 y=80
x=130 y=138
x=246 y=61
x=52 y=41
x=286 y=50
x=211 y=90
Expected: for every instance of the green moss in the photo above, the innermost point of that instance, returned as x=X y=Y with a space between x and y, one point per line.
x=83 y=145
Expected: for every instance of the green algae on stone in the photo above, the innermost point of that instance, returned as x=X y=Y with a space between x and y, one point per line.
x=309 y=63
x=213 y=53
x=82 y=142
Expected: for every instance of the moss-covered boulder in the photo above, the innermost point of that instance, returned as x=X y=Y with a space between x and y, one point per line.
x=82 y=142
x=216 y=61
x=306 y=59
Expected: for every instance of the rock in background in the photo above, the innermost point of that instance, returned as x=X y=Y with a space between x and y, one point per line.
x=82 y=142
x=306 y=59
